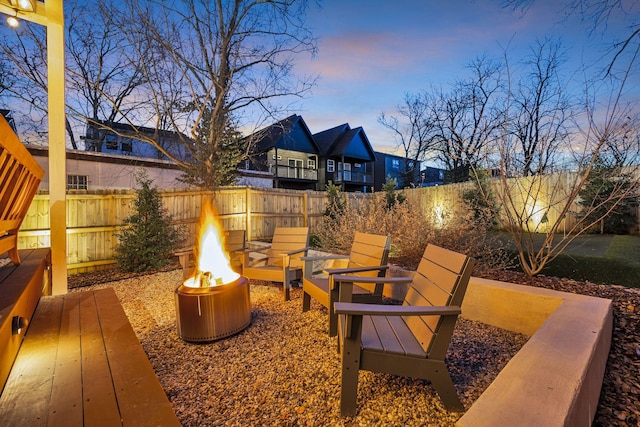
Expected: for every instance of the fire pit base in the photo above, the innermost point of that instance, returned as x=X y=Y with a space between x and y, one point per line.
x=212 y=313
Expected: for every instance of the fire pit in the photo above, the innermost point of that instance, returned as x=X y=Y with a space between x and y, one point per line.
x=214 y=303
x=214 y=312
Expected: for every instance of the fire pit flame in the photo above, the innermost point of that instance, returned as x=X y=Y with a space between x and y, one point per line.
x=213 y=267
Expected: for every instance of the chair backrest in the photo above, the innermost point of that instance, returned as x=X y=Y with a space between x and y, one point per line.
x=369 y=250
x=235 y=240
x=287 y=239
x=440 y=280
x=20 y=176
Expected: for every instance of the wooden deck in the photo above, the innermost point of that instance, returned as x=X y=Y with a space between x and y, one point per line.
x=81 y=364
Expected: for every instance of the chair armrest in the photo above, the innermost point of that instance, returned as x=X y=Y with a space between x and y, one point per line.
x=355 y=309
x=297 y=251
x=338 y=271
x=323 y=257
x=368 y=279
x=259 y=250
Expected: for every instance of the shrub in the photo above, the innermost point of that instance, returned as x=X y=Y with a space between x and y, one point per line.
x=411 y=229
x=147 y=239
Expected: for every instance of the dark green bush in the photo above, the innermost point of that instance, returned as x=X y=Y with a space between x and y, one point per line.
x=147 y=239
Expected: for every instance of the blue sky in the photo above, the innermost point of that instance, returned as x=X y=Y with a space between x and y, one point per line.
x=372 y=52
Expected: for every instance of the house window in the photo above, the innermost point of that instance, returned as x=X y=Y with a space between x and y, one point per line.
x=77 y=182
x=331 y=165
x=247 y=164
x=110 y=142
x=395 y=163
x=311 y=163
x=347 y=171
x=295 y=168
x=127 y=146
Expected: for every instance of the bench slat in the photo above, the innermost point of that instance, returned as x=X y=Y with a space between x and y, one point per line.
x=66 y=394
x=141 y=398
x=99 y=399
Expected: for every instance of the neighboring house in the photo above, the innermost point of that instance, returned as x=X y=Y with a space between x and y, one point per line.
x=100 y=171
x=405 y=171
x=430 y=177
x=298 y=159
x=347 y=158
x=123 y=141
x=9 y=118
x=288 y=152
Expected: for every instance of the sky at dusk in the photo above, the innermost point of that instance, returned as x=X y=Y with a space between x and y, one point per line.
x=370 y=53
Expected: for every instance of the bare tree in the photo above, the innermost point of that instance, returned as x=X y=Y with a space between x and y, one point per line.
x=540 y=111
x=534 y=210
x=100 y=80
x=597 y=14
x=412 y=128
x=98 y=77
x=209 y=65
x=467 y=118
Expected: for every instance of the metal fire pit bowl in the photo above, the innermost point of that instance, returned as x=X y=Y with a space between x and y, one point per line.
x=212 y=313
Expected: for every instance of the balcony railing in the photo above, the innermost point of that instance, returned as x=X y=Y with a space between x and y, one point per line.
x=360 y=177
x=297 y=173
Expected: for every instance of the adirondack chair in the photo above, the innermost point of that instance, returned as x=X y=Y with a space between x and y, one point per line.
x=282 y=263
x=368 y=257
x=235 y=245
x=409 y=339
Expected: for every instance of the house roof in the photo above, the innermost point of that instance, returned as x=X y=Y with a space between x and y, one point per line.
x=344 y=141
x=275 y=135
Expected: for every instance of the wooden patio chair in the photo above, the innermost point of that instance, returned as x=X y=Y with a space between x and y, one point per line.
x=368 y=257
x=282 y=262
x=410 y=339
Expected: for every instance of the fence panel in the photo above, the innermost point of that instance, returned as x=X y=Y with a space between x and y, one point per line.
x=93 y=218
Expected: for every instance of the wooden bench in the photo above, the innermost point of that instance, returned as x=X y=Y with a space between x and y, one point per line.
x=20 y=176
x=81 y=364
x=68 y=359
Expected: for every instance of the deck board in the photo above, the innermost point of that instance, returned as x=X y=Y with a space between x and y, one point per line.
x=66 y=394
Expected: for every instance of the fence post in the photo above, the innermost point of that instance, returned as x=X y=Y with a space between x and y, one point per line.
x=248 y=215
x=305 y=207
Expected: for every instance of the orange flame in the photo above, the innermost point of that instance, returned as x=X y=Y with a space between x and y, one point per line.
x=212 y=261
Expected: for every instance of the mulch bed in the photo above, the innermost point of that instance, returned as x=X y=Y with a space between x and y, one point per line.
x=619 y=403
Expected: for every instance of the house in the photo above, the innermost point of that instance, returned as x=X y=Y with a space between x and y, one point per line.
x=100 y=171
x=9 y=118
x=430 y=177
x=298 y=159
x=120 y=139
x=288 y=152
x=405 y=171
x=347 y=158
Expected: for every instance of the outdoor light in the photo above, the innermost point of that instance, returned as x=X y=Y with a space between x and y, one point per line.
x=24 y=5
x=17 y=323
x=12 y=21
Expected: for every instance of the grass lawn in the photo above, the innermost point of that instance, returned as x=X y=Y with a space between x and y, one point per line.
x=606 y=259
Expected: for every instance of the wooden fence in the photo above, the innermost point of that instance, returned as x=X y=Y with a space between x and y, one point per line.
x=93 y=218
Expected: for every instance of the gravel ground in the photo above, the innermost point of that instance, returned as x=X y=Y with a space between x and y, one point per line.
x=285 y=370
